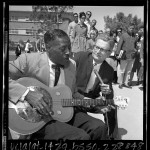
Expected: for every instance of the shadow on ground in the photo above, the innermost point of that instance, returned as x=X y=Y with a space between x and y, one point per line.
x=121 y=132
x=141 y=88
x=134 y=83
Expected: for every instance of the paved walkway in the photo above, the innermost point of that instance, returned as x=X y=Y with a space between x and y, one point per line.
x=130 y=121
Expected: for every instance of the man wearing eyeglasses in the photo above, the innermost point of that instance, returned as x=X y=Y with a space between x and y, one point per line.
x=87 y=22
x=88 y=83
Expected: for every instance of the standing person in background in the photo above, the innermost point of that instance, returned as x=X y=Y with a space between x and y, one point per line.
x=18 y=50
x=43 y=47
x=71 y=27
x=93 y=24
x=136 y=65
x=88 y=23
x=100 y=32
x=79 y=35
x=126 y=45
x=91 y=42
x=107 y=33
x=112 y=60
x=38 y=44
x=28 y=46
x=141 y=33
x=119 y=33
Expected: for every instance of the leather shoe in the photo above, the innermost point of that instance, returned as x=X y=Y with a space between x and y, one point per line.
x=128 y=86
x=120 y=86
x=137 y=83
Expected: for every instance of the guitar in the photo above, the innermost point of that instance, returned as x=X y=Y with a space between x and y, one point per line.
x=25 y=119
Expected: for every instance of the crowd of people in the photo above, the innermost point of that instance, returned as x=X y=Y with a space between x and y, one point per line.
x=76 y=54
x=127 y=47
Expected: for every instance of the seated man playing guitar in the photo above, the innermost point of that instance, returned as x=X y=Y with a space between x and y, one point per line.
x=45 y=67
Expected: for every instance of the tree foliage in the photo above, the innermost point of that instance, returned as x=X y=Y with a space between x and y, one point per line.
x=121 y=21
x=49 y=16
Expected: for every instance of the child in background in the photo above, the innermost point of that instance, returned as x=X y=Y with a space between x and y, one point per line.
x=91 y=42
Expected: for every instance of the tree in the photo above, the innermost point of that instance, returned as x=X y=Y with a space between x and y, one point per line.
x=121 y=21
x=49 y=16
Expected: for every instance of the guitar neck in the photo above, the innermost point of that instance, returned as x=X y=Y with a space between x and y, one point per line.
x=85 y=102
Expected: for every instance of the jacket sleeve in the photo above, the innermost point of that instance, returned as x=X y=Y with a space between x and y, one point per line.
x=141 y=50
x=119 y=47
x=74 y=32
x=68 y=30
x=75 y=93
x=88 y=46
x=17 y=69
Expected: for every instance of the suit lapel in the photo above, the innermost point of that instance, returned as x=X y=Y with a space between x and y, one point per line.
x=100 y=72
x=89 y=67
x=43 y=67
x=103 y=72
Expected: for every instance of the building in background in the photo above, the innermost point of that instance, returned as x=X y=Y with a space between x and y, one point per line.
x=21 y=28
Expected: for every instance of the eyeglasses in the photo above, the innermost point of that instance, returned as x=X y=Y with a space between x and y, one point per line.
x=82 y=17
x=97 y=48
x=88 y=14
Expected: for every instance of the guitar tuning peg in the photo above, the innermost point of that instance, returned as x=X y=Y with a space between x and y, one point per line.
x=127 y=99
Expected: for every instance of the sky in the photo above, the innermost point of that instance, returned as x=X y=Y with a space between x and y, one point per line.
x=98 y=12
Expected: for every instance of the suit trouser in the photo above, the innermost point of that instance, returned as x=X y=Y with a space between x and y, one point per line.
x=125 y=70
x=81 y=127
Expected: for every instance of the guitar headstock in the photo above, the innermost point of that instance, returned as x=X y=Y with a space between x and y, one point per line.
x=121 y=102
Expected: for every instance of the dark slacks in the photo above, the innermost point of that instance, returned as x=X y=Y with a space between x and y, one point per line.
x=81 y=127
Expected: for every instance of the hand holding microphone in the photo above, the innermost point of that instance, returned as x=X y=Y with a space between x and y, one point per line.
x=105 y=89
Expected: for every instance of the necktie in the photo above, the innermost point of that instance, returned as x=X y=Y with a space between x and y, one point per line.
x=57 y=73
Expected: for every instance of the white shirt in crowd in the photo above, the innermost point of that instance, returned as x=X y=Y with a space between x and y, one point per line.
x=88 y=23
x=71 y=27
x=28 y=45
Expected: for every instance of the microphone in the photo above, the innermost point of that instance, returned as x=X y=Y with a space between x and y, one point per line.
x=96 y=73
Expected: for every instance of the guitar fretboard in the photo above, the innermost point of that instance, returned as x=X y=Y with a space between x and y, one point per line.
x=85 y=102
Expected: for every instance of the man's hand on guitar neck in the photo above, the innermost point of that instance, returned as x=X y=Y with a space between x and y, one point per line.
x=40 y=101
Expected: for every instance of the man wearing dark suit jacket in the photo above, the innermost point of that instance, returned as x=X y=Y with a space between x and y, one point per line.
x=18 y=50
x=39 y=66
x=127 y=45
x=85 y=62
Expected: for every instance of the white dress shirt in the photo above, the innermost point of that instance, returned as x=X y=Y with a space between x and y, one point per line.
x=89 y=26
x=93 y=77
x=52 y=75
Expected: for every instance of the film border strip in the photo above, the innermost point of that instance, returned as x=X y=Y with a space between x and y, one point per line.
x=5 y=72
